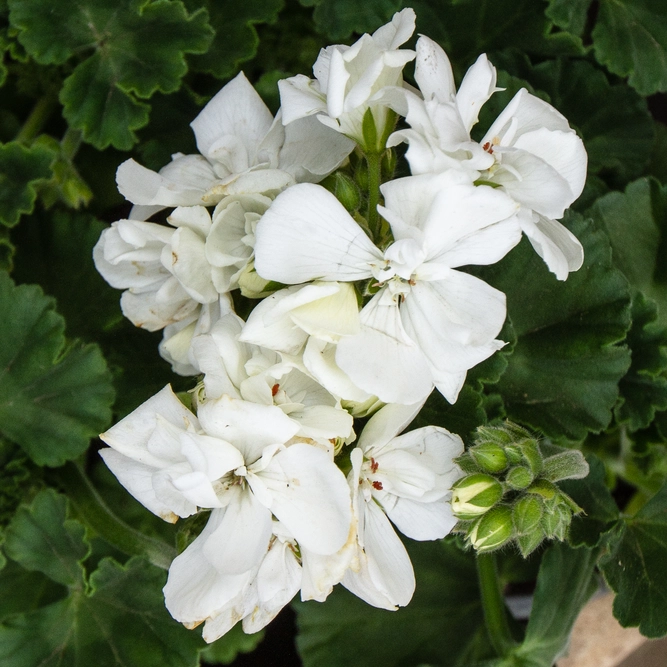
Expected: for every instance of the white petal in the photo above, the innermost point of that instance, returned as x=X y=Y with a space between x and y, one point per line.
x=386 y=578
x=384 y=425
x=237 y=110
x=189 y=265
x=323 y=421
x=241 y=539
x=137 y=478
x=183 y=184
x=423 y=521
x=433 y=71
x=195 y=590
x=300 y=97
x=382 y=359
x=397 y=31
x=310 y=497
x=130 y=436
x=554 y=243
x=312 y=151
x=477 y=86
x=306 y=235
x=247 y=426
x=196 y=218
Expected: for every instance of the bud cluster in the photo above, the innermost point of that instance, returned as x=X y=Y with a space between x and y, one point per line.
x=509 y=492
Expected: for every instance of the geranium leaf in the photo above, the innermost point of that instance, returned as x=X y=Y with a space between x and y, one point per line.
x=564 y=584
x=635 y=223
x=443 y=624
x=135 y=49
x=120 y=622
x=630 y=39
x=42 y=539
x=53 y=397
x=563 y=374
x=570 y=15
x=339 y=19
x=644 y=387
x=635 y=568
x=20 y=169
x=236 y=38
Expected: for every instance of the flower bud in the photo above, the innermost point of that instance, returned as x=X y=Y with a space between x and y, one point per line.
x=532 y=456
x=345 y=190
x=475 y=494
x=490 y=457
x=529 y=542
x=527 y=513
x=492 y=530
x=556 y=523
x=519 y=478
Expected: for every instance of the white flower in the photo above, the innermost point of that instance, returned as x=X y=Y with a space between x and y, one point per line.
x=255 y=374
x=409 y=479
x=238 y=459
x=243 y=150
x=349 y=80
x=530 y=150
x=428 y=323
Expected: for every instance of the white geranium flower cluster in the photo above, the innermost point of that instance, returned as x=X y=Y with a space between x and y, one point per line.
x=358 y=305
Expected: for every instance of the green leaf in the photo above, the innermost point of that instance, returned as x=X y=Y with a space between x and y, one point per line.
x=565 y=583
x=42 y=539
x=644 y=388
x=338 y=19
x=466 y=28
x=658 y=164
x=53 y=397
x=121 y=622
x=630 y=39
x=22 y=591
x=442 y=624
x=236 y=38
x=20 y=169
x=563 y=374
x=635 y=568
x=634 y=222
x=599 y=508
x=570 y=15
x=136 y=48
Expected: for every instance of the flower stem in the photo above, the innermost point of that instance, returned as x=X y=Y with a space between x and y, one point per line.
x=37 y=119
x=94 y=511
x=70 y=143
x=374 y=161
x=495 y=612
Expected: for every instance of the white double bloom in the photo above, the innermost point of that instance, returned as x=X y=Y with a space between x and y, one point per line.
x=407 y=478
x=243 y=149
x=529 y=151
x=428 y=323
x=349 y=80
x=268 y=492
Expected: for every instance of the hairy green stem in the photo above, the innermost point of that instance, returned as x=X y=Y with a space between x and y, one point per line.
x=37 y=119
x=70 y=143
x=495 y=612
x=94 y=511
x=374 y=162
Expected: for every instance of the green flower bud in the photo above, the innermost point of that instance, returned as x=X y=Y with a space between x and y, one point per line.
x=527 y=513
x=492 y=530
x=529 y=542
x=519 y=478
x=556 y=523
x=490 y=457
x=475 y=494
x=532 y=456
x=466 y=462
x=345 y=189
x=548 y=491
x=514 y=455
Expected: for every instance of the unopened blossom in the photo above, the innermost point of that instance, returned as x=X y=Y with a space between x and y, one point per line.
x=242 y=150
x=529 y=151
x=406 y=479
x=428 y=323
x=350 y=80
